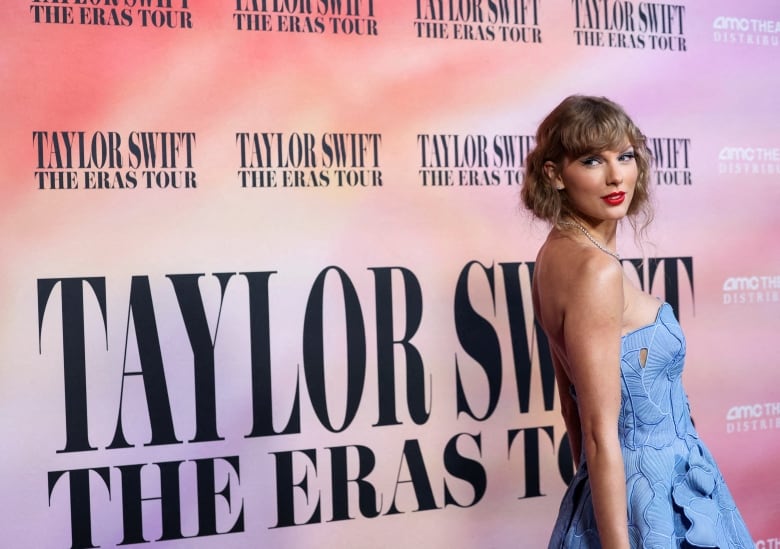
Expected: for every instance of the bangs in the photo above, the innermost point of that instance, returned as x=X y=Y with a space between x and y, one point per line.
x=596 y=131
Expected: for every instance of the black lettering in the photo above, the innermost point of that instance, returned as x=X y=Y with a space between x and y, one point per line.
x=285 y=496
x=340 y=482
x=419 y=410
x=73 y=351
x=531 y=453
x=80 y=502
x=313 y=350
x=480 y=341
x=132 y=500
x=418 y=477
x=565 y=461
x=207 y=510
x=191 y=305
x=465 y=469
x=671 y=278
x=260 y=353
x=152 y=372
x=521 y=345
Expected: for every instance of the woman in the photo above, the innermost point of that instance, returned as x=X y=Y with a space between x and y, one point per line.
x=617 y=352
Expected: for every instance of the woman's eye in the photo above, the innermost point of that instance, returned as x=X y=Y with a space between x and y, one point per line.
x=627 y=156
x=590 y=161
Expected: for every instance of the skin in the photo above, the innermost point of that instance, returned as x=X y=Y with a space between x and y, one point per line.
x=585 y=304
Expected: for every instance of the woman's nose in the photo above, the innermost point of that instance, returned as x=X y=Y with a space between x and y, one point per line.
x=614 y=173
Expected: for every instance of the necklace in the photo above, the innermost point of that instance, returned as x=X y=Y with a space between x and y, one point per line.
x=590 y=237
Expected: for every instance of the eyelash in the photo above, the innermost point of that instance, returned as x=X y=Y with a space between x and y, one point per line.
x=590 y=161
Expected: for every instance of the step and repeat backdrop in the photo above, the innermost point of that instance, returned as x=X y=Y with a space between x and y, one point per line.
x=266 y=279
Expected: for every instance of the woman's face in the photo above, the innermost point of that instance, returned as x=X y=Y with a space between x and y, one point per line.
x=600 y=186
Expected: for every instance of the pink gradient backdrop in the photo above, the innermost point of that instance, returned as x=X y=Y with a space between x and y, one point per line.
x=216 y=81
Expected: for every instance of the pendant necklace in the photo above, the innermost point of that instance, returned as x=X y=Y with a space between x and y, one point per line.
x=591 y=238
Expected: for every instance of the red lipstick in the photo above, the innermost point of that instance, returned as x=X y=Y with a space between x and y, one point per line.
x=614 y=199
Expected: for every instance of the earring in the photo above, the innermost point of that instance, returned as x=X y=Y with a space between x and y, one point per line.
x=559 y=188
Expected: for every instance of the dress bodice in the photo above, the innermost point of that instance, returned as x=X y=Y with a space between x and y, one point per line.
x=675 y=492
x=654 y=408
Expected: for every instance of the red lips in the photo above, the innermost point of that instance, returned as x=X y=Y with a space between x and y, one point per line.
x=614 y=199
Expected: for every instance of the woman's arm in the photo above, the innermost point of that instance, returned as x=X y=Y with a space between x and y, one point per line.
x=593 y=318
x=571 y=416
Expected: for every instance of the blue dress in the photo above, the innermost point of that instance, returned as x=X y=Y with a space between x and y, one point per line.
x=676 y=495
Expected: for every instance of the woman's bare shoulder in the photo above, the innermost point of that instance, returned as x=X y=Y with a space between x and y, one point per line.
x=575 y=266
x=574 y=280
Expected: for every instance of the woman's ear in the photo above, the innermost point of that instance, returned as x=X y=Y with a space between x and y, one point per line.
x=551 y=171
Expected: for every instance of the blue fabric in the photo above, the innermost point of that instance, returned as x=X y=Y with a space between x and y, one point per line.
x=676 y=495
